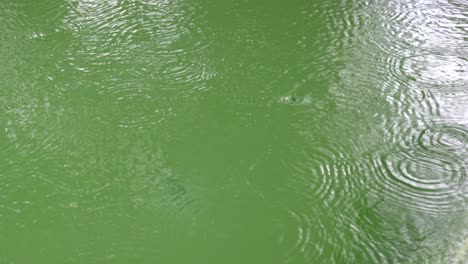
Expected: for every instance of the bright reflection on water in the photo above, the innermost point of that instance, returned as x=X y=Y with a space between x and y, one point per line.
x=144 y=131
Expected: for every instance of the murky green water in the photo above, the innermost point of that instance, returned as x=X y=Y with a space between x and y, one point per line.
x=176 y=131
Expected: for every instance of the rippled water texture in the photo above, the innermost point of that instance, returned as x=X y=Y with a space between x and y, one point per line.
x=174 y=131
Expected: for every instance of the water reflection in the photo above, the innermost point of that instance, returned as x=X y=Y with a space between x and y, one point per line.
x=412 y=149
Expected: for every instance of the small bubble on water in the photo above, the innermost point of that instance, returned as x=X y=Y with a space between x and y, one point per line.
x=289 y=99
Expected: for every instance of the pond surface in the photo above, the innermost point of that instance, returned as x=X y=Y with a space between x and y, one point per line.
x=176 y=131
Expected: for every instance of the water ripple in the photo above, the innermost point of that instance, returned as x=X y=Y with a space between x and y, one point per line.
x=434 y=69
x=444 y=138
x=429 y=182
x=322 y=170
x=162 y=43
x=111 y=31
x=310 y=234
x=135 y=104
x=303 y=236
x=12 y=20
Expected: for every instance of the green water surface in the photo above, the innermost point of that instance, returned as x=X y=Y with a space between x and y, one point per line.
x=233 y=132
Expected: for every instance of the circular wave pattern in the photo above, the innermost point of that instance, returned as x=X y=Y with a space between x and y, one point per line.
x=325 y=171
x=164 y=44
x=112 y=32
x=300 y=237
x=428 y=181
x=136 y=108
x=164 y=47
x=309 y=234
x=400 y=21
x=443 y=138
x=132 y=104
x=433 y=69
x=184 y=77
